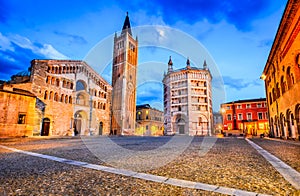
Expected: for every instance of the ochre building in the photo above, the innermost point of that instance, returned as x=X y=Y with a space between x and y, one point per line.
x=149 y=121
x=282 y=75
x=18 y=112
x=70 y=98
x=187 y=100
x=124 y=68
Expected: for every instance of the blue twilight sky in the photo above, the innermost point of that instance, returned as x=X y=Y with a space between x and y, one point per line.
x=238 y=35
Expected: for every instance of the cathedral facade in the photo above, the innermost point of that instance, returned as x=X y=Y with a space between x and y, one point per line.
x=70 y=99
x=187 y=100
x=124 y=71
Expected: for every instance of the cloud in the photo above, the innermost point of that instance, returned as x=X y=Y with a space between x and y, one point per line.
x=149 y=92
x=239 y=83
x=46 y=50
x=17 y=51
x=5 y=43
x=236 y=12
x=12 y=62
x=73 y=39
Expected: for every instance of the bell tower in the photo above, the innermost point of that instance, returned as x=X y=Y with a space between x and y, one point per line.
x=124 y=68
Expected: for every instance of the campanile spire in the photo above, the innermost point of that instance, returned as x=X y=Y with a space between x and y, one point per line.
x=126 y=25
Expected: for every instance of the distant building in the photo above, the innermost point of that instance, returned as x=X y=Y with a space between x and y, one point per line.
x=71 y=99
x=245 y=117
x=217 y=122
x=124 y=69
x=282 y=75
x=149 y=121
x=187 y=100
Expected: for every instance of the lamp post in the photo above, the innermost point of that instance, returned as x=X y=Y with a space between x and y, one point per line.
x=223 y=111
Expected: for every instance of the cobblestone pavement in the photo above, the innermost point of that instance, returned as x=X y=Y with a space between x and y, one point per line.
x=288 y=152
x=231 y=162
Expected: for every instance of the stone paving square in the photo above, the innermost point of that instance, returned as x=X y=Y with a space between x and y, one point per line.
x=231 y=164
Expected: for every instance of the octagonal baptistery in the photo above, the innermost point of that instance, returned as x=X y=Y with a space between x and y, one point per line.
x=187 y=100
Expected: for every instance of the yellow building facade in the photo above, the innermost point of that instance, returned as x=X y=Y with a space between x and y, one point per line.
x=149 y=121
x=282 y=76
x=18 y=112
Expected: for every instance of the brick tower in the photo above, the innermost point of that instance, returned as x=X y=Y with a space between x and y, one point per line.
x=125 y=57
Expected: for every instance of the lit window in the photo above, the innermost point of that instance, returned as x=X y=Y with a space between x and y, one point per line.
x=229 y=117
x=260 y=116
x=240 y=117
x=249 y=116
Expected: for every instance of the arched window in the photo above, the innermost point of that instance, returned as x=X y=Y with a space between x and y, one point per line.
x=270 y=98
x=51 y=95
x=289 y=78
x=98 y=105
x=71 y=85
x=56 y=97
x=57 y=82
x=103 y=106
x=64 y=83
x=282 y=84
x=70 y=99
x=273 y=93
x=48 y=80
x=80 y=85
x=62 y=98
x=277 y=90
x=53 y=81
x=66 y=99
x=46 y=95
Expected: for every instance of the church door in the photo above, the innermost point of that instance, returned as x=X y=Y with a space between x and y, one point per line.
x=77 y=126
x=45 y=127
x=181 y=129
x=100 y=128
